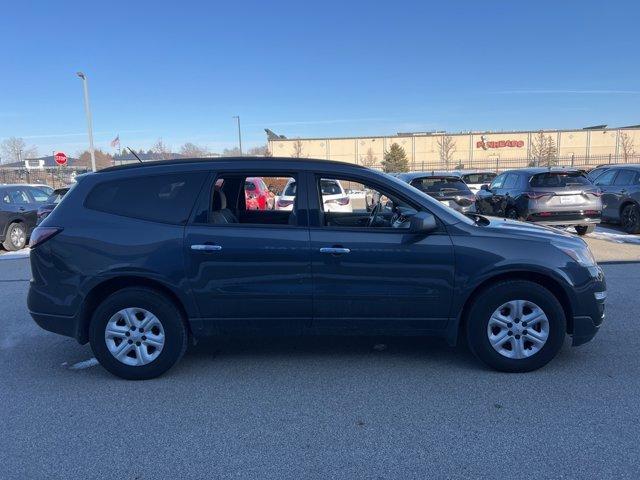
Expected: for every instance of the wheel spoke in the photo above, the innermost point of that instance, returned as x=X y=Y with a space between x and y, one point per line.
x=114 y=330
x=499 y=339
x=154 y=341
x=517 y=346
x=148 y=321
x=122 y=350
x=537 y=337
x=499 y=320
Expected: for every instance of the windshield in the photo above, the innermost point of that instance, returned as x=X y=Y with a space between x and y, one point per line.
x=440 y=184
x=290 y=190
x=480 y=178
x=329 y=187
x=558 y=179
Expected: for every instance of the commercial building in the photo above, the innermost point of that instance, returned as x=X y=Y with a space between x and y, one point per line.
x=495 y=150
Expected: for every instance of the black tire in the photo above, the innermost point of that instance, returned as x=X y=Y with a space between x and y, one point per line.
x=10 y=242
x=494 y=296
x=630 y=218
x=512 y=214
x=173 y=324
x=584 y=229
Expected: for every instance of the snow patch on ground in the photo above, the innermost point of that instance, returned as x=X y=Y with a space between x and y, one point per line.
x=92 y=362
x=24 y=253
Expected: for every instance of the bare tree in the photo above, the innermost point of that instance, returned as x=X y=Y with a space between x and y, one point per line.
x=369 y=160
x=627 y=149
x=161 y=151
x=231 y=152
x=297 y=149
x=447 y=146
x=260 y=151
x=15 y=149
x=191 y=150
x=543 y=151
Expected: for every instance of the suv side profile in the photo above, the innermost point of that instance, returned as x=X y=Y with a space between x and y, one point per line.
x=620 y=187
x=547 y=196
x=196 y=262
x=18 y=213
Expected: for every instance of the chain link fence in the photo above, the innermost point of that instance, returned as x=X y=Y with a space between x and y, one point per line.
x=55 y=177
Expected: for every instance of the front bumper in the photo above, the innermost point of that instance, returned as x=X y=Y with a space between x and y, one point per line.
x=588 y=319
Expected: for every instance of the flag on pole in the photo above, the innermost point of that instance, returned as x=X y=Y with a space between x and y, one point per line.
x=115 y=143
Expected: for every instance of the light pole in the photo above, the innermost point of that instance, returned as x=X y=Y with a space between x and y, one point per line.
x=237 y=117
x=87 y=109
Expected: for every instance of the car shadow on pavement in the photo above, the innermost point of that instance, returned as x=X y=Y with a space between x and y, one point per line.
x=423 y=349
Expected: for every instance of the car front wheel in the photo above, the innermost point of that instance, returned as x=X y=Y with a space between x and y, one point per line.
x=630 y=219
x=138 y=333
x=516 y=326
x=16 y=238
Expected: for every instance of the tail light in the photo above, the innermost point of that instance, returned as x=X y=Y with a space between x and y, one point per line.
x=339 y=201
x=592 y=212
x=537 y=195
x=284 y=203
x=42 y=234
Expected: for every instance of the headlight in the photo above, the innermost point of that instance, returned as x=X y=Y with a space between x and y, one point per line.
x=580 y=254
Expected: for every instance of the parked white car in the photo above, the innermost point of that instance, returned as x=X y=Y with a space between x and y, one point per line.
x=334 y=197
x=476 y=178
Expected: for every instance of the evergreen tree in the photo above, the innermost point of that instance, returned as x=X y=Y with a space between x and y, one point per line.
x=395 y=160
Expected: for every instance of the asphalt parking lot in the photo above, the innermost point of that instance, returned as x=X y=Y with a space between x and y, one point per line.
x=323 y=408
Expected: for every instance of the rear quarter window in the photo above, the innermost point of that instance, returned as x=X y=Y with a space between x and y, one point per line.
x=161 y=198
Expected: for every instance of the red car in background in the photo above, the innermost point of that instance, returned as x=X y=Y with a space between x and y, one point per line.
x=256 y=194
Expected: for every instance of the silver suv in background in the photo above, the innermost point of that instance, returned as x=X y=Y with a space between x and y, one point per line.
x=548 y=196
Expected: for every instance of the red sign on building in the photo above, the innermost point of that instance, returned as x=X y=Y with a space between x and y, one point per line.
x=61 y=158
x=500 y=144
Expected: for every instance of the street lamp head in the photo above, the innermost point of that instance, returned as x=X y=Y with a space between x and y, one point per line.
x=80 y=74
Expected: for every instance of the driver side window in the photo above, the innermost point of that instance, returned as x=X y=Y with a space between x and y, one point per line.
x=352 y=204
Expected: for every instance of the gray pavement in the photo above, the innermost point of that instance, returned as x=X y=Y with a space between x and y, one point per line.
x=319 y=408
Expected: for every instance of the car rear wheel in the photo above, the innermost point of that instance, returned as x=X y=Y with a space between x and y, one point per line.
x=584 y=229
x=516 y=326
x=630 y=218
x=138 y=333
x=16 y=238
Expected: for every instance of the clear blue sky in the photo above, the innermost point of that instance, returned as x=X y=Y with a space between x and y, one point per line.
x=180 y=70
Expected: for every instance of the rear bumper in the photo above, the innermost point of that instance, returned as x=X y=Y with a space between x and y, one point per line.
x=563 y=218
x=60 y=324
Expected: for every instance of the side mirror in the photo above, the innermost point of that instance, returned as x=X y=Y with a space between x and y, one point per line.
x=484 y=187
x=423 y=222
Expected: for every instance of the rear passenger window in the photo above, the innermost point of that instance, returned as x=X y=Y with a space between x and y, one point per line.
x=625 y=177
x=161 y=198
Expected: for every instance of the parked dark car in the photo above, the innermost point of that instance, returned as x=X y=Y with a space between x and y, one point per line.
x=54 y=199
x=18 y=207
x=145 y=256
x=446 y=187
x=558 y=197
x=620 y=185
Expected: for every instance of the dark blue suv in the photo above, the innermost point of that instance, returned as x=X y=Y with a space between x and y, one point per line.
x=138 y=259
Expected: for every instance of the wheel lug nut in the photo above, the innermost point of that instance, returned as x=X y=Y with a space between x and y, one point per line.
x=130 y=342
x=517 y=337
x=138 y=344
x=509 y=333
x=525 y=332
x=524 y=324
x=517 y=320
x=141 y=330
x=144 y=337
x=509 y=325
x=127 y=334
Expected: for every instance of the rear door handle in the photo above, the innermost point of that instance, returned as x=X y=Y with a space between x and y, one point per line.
x=334 y=250
x=206 y=248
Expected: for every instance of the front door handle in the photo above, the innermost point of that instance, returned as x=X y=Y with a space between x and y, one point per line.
x=206 y=248
x=334 y=250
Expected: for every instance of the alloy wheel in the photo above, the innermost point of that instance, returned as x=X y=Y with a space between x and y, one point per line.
x=134 y=336
x=630 y=217
x=18 y=236
x=518 y=329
